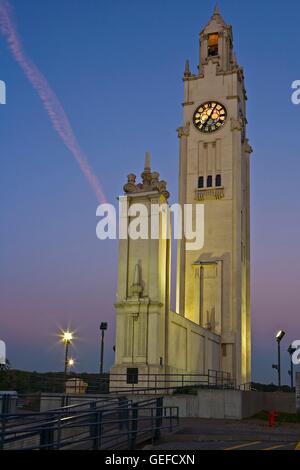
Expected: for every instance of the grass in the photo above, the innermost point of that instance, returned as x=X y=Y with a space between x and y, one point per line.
x=281 y=418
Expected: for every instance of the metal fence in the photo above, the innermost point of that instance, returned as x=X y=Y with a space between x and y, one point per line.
x=120 y=383
x=99 y=424
x=38 y=402
x=164 y=383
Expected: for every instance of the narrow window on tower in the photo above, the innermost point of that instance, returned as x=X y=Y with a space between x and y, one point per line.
x=201 y=182
x=213 y=44
x=218 y=180
x=209 y=181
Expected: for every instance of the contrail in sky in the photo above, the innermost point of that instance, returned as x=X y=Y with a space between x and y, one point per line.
x=50 y=101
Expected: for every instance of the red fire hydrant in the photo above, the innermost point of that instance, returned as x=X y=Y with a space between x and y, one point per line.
x=272 y=418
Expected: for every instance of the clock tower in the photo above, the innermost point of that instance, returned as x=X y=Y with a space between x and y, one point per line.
x=213 y=284
x=210 y=329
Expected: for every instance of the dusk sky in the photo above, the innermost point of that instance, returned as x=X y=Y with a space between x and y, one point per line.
x=116 y=67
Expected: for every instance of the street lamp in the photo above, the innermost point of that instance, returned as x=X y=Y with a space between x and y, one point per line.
x=103 y=327
x=291 y=351
x=67 y=338
x=71 y=362
x=279 y=335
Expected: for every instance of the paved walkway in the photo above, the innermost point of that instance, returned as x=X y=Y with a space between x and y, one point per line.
x=200 y=434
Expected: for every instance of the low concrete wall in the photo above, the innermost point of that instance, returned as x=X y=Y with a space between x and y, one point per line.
x=252 y=403
x=208 y=404
x=231 y=404
x=220 y=404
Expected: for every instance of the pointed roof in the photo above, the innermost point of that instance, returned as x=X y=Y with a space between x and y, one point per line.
x=217 y=16
x=216 y=21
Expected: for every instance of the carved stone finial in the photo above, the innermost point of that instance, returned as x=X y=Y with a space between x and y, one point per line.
x=216 y=10
x=187 y=72
x=131 y=178
x=147 y=162
x=150 y=181
x=183 y=131
x=236 y=124
x=155 y=178
x=130 y=185
x=247 y=147
x=146 y=175
x=162 y=187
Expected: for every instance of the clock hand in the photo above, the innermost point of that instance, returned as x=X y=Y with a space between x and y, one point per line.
x=210 y=115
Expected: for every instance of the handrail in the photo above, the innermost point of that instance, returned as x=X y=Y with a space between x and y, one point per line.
x=59 y=411
x=96 y=426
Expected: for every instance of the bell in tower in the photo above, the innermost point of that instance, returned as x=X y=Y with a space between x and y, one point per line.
x=216 y=44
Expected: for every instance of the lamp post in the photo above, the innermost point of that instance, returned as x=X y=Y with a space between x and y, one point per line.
x=103 y=327
x=291 y=351
x=67 y=338
x=279 y=335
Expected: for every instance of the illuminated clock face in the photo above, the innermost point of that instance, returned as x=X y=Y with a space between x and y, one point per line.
x=209 y=117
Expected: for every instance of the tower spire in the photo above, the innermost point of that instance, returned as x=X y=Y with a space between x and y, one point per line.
x=216 y=10
x=187 y=72
x=147 y=167
x=217 y=16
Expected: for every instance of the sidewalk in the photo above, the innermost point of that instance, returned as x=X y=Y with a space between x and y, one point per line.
x=199 y=433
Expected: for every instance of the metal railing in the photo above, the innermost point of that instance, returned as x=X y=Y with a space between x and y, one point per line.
x=160 y=383
x=120 y=383
x=100 y=424
x=36 y=402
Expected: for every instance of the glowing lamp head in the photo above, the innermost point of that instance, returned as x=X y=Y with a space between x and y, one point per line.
x=67 y=337
x=71 y=362
x=279 y=335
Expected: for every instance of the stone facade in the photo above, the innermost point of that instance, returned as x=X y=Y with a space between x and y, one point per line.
x=211 y=326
